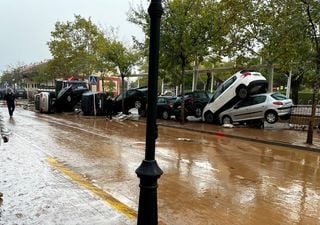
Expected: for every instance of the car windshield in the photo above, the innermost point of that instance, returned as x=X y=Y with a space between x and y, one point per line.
x=166 y=100
x=131 y=92
x=119 y=97
x=278 y=96
x=222 y=87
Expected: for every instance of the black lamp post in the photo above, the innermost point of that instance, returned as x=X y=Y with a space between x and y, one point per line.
x=149 y=171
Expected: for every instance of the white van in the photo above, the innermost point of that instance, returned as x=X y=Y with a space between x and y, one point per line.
x=238 y=86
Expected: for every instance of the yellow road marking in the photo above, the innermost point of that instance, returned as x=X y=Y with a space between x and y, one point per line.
x=129 y=212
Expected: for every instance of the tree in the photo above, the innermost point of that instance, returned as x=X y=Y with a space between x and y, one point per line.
x=75 y=47
x=189 y=33
x=274 y=31
x=312 y=9
x=110 y=86
x=121 y=58
x=191 y=30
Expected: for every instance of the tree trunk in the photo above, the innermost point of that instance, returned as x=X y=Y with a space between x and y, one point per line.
x=295 y=86
x=123 y=94
x=314 y=101
x=208 y=83
x=271 y=73
x=182 y=114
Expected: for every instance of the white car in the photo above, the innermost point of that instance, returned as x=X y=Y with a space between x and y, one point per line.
x=238 y=86
x=268 y=106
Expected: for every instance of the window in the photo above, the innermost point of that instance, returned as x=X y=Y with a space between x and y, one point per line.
x=278 y=96
x=259 y=99
x=161 y=100
x=251 y=101
x=225 y=85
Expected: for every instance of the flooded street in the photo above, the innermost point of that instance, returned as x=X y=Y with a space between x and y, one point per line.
x=208 y=179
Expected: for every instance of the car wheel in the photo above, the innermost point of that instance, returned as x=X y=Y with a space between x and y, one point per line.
x=271 y=117
x=198 y=111
x=137 y=104
x=242 y=92
x=208 y=117
x=226 y=120
x=165 y=115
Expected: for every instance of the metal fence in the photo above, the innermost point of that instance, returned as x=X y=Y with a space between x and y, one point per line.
x=301 y=115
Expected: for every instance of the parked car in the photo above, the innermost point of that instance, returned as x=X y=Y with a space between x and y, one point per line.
x=165 y=107
x=267 y=106
x=21 y=93
x=3 y=92
x=239 y=86
x=133 y=98
x=194 y=102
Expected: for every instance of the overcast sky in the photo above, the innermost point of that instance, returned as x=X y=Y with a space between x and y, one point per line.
x=26 y=24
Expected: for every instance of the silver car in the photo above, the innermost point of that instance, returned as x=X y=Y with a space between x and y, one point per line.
x=268 y=106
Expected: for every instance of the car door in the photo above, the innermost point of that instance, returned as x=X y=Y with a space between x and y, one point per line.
x=240 y=110
x=257 y=108
x=161 y=104
x=251 y=108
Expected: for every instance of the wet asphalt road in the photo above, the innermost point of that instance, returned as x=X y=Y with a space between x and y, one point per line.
x=207 y=179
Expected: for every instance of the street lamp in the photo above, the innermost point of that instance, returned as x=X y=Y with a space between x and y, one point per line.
x=149 y=171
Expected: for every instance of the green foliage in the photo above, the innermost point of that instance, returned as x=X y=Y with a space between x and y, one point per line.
x=110 y=86
x=75 y=47
x=305 y=98
x=120 y=57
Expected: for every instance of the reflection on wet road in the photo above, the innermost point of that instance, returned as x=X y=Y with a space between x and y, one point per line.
x=207 y=179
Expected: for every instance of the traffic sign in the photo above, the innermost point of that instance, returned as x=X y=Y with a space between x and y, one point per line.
x=93 y=79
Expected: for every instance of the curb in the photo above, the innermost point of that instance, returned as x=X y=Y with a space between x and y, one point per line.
x=270 y=142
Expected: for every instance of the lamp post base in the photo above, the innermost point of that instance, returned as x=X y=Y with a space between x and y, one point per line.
x=148 y=172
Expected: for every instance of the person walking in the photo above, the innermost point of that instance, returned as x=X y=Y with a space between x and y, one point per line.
x=109 y=107
x=10 y=98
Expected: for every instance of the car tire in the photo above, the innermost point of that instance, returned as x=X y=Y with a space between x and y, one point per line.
x=242 y=92
x=198 y=111
x=165 y=115
x=209 y=117
x=226 y=120
x=271 y=117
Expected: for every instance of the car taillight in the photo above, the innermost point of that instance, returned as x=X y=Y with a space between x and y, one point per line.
x=246 y=74
x=277 y=103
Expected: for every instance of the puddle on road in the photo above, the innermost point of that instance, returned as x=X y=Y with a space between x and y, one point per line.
x=208 y=179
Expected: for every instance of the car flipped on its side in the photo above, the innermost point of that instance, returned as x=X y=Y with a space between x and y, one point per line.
x=267 y=106
x=239 y=86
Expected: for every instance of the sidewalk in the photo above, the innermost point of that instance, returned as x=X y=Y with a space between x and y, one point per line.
x=276 y=134
x=48 y=197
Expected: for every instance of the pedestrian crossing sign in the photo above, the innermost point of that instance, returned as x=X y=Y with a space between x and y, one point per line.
x=93 y=79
